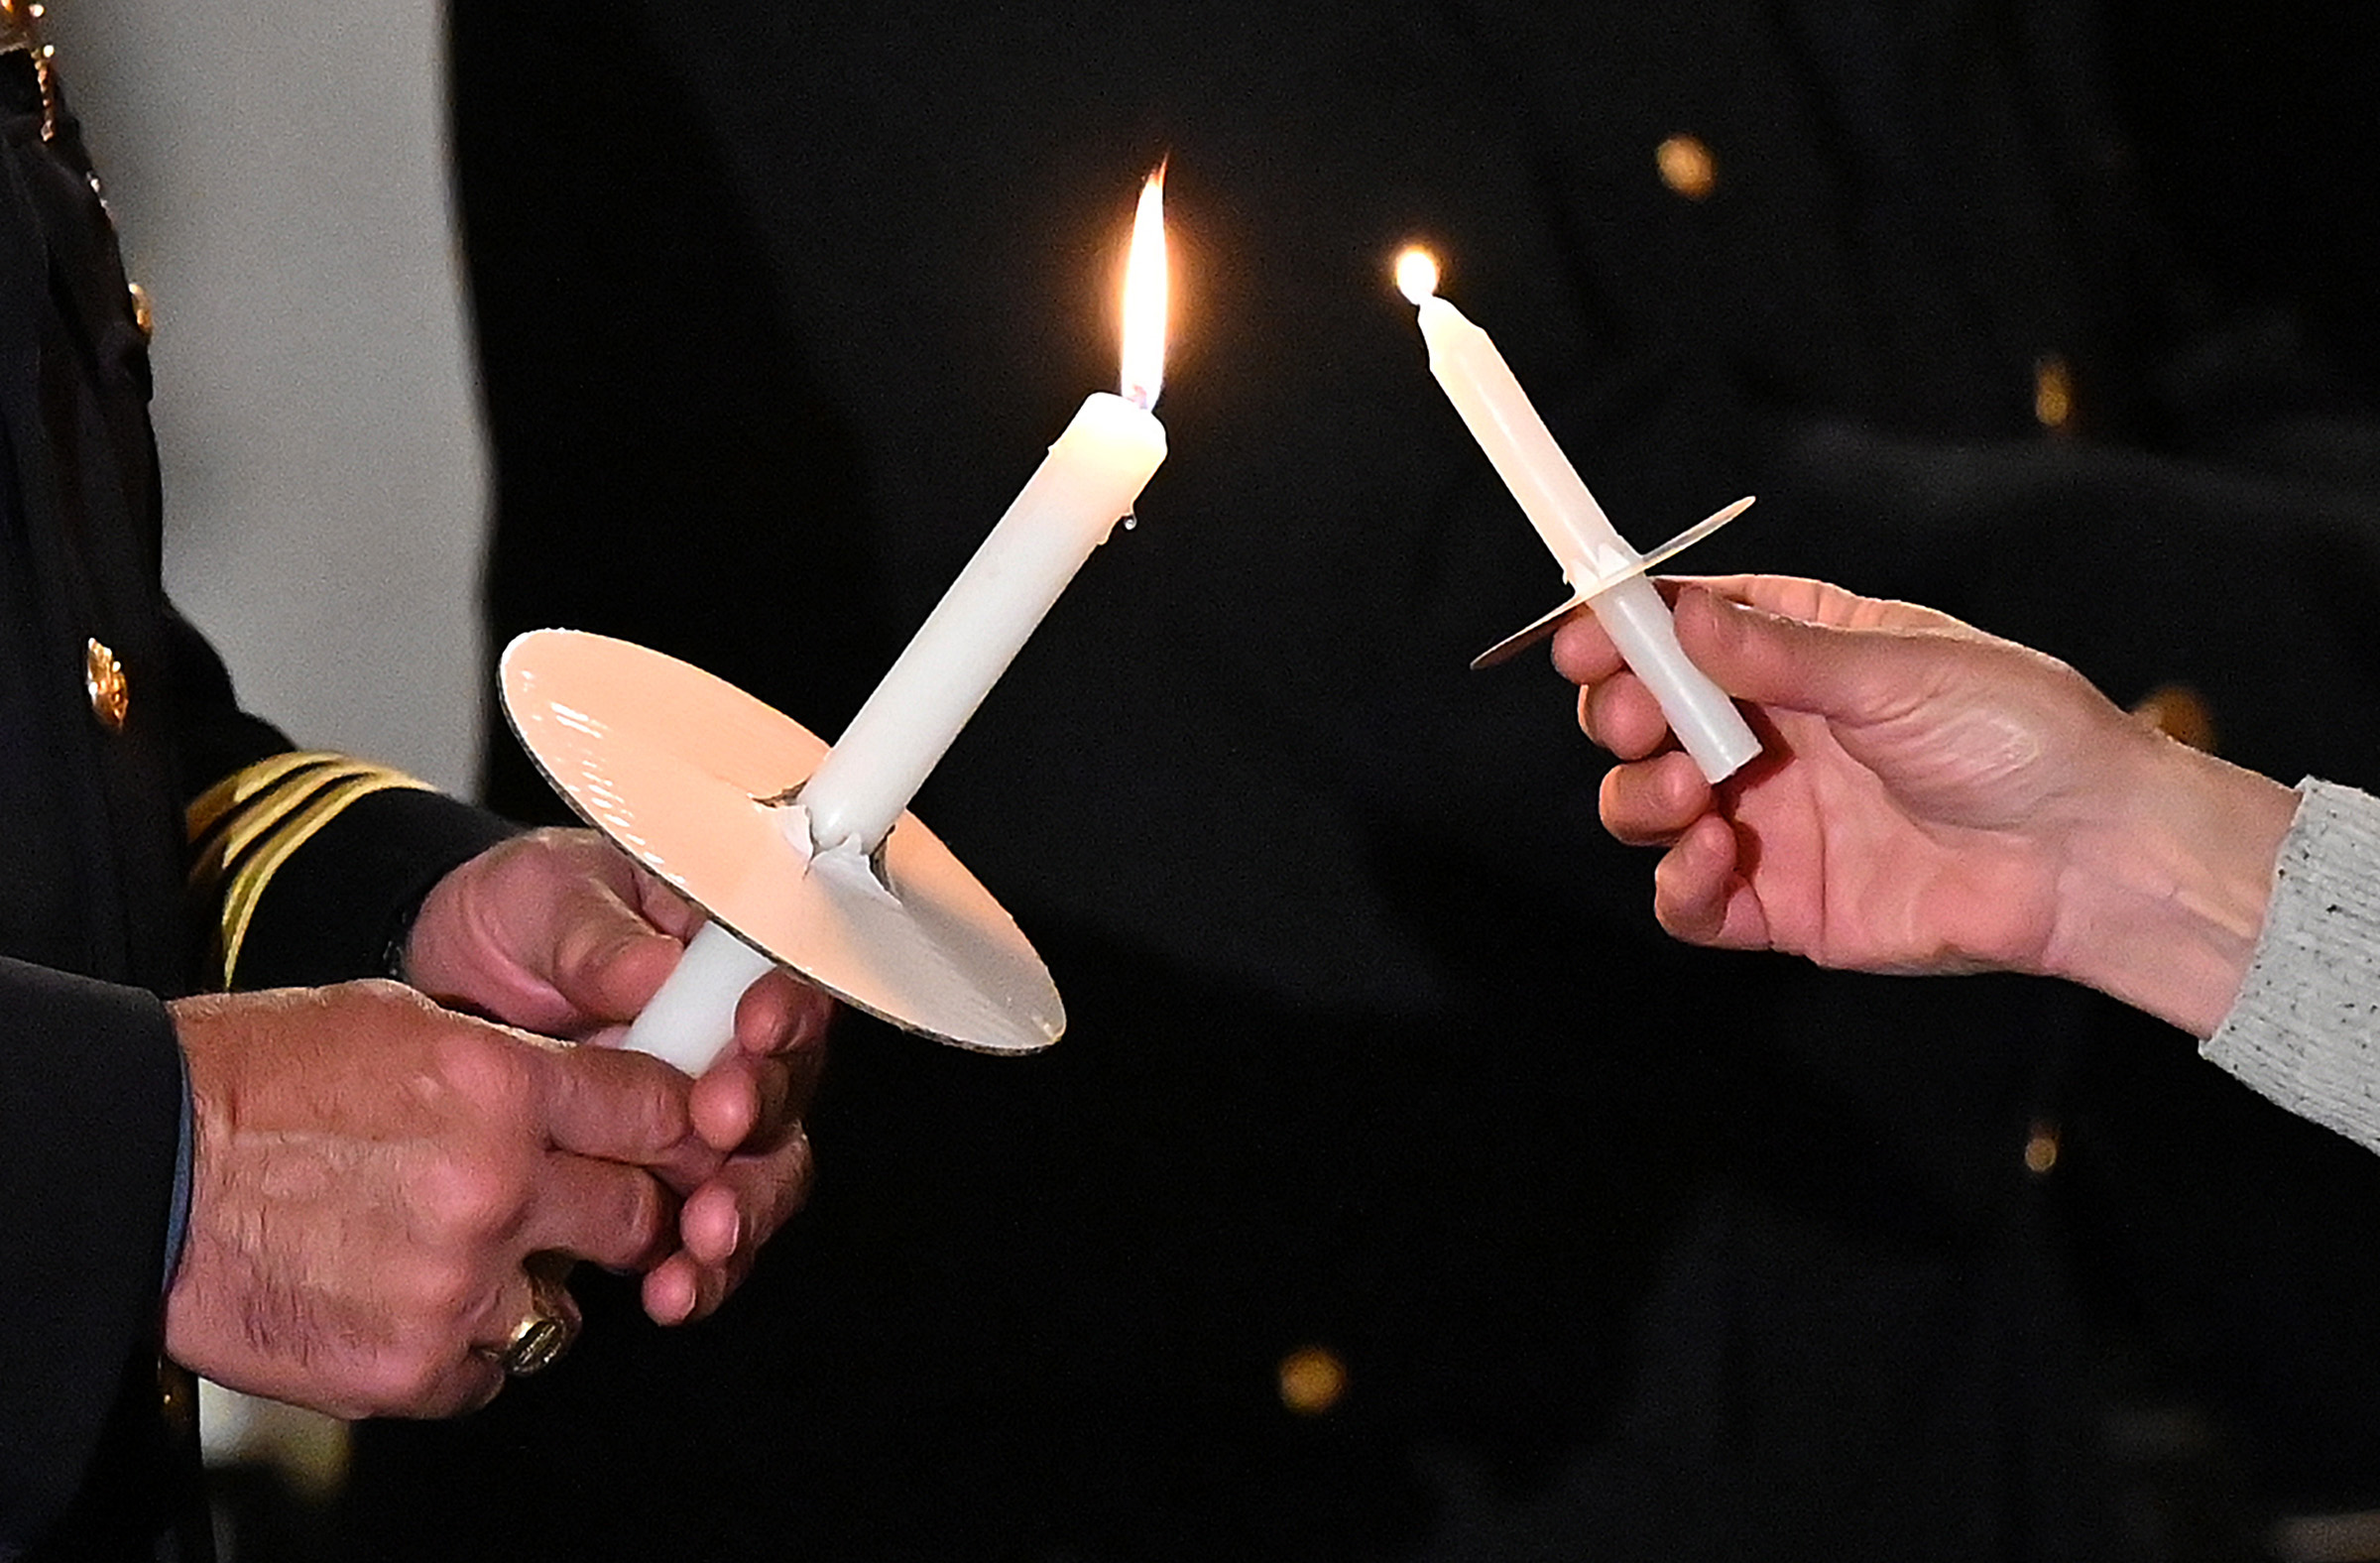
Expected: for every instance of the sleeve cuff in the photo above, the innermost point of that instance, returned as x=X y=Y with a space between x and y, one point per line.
x=307 y=866
x=89 y=1104
x=177 y=1225
x=2305 y=1031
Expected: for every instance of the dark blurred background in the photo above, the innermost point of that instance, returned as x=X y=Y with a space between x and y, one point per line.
x=1398 y=1192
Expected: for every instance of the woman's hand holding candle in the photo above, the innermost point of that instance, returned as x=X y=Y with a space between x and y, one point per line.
x=1938 y=802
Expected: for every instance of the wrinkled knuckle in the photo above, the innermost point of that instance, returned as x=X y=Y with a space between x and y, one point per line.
x=484 y=1068
x=446 y=1287
x=665 y=1116
x=387 y=990
x=647 y=1213
x=462 y=1205
x=413 y=1377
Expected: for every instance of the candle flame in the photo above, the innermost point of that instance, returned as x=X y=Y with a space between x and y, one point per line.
x=1417 y=274
x=1145 y=297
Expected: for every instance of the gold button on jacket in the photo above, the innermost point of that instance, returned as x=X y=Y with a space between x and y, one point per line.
x=103 y=679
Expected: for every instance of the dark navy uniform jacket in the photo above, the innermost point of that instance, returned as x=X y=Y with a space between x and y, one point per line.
x=115 y=720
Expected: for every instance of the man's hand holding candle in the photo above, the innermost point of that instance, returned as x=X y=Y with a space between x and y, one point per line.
x=1933 y=800
x=557 y=932
x=380 y=1185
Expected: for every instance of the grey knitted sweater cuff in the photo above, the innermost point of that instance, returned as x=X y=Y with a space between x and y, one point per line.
x=2304 y=1029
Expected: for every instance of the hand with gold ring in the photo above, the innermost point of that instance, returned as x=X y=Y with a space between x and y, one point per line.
x=378 y=1184
x=556 y=932
x=549 y=1325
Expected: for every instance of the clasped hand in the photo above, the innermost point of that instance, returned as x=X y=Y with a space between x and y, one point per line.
x=374 y=1168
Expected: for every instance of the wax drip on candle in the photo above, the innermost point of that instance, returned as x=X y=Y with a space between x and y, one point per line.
x=1089 y=480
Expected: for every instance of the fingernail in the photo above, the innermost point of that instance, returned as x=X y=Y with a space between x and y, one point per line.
x=735 y=1233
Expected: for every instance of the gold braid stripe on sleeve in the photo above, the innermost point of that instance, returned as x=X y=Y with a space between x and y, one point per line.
x=246 y=826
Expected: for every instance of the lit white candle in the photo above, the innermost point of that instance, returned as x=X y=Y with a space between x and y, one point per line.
x=1521 y=448
x=1089 y=481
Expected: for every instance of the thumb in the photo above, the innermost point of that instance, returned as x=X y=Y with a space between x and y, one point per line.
x=1778 y=660
x=618 y=1106
x=607 y=958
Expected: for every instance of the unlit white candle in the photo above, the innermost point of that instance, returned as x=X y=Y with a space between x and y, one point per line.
x=1522 y=450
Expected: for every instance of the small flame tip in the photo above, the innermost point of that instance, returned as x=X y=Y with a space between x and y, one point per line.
x=1416 y=272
